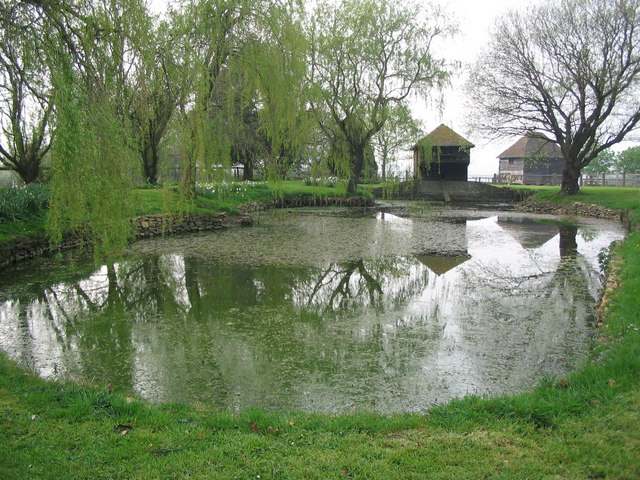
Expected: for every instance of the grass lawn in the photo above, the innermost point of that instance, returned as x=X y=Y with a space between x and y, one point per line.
x=208 y=201
x=585 y=426
x=612 y=197
x=11 y=230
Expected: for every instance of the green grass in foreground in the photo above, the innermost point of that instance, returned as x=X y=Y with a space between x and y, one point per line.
x=585 y=427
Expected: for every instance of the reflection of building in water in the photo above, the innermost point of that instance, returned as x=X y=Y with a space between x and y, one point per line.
x=441 y=244
x=528 y=232
x=440 y=264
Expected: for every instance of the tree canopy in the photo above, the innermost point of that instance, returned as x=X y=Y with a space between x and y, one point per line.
x=628 y=161
x=98 y=88
x=569 y=68
x=366 y=57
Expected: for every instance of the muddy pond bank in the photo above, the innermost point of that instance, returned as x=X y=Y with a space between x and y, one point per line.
x=320 y=310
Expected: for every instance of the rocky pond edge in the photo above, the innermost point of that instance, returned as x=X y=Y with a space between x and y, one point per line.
x=153 y=225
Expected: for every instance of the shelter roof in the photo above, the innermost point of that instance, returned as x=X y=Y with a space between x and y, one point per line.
x=443 y=136
x=527 y=232
x=532 y=145
x=441 y=264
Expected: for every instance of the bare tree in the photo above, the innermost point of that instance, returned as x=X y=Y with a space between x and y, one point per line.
x=569 y=68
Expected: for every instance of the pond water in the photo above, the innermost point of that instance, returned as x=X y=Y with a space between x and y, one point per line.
x=318 y=310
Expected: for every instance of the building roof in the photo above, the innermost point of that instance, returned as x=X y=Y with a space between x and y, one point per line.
x=443 y=136
x=533 y=145
x=441 y=264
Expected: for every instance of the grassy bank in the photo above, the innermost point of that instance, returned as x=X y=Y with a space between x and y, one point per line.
x=210 y=199
x=612 y=197
x=584 y=426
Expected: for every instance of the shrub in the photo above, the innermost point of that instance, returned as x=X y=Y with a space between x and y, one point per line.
x=23 y=203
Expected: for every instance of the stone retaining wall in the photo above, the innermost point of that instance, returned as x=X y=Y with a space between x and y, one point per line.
x=144 y=226
x=579 y=209
x=308 y=201
x=456 y=191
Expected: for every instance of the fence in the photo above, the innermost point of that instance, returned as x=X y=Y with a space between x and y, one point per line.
x=483 y=178
x=586 y=179
x=611 y=179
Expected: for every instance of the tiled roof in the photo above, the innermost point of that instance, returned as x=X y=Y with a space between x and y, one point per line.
x=532 y=145
x=443 y=136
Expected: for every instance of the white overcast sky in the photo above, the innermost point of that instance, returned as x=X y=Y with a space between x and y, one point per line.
x=475 y=19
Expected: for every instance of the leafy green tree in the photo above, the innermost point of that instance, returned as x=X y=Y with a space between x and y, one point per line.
x=366 y=57
x=152 y=94
x=569 y=68
x=26 y=106
x=628 y=161
x=240 y=52
x=399 y=133
x=605 y=162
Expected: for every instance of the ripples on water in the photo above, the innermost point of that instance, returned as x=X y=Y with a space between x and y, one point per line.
x=318 y=310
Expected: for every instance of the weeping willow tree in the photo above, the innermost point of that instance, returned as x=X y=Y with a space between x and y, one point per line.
x=397 y=135
x=91 y=53
x=153 y=89
x=240 y=55
x=367 y=56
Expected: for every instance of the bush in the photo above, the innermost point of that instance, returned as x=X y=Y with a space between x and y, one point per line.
x=329 y=182
x=23 y=203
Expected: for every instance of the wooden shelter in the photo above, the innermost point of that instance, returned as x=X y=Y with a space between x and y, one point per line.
x=442 y=155
x=532 y=160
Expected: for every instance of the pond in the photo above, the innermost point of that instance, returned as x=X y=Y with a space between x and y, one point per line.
x=324 y=310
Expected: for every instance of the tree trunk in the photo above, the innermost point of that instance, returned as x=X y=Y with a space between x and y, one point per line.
x=356 y=168
x=384 y=169
x=150 y=161
x=188 y=180
x=247 y=172
x=570 y=176
x=29 y=170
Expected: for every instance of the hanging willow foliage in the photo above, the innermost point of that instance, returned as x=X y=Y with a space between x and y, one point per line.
x=246 y=65
x=91 y=163
x=427 y=155
x=93 y=160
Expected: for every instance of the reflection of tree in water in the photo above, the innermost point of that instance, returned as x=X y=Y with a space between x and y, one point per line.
x=360 y=283
x=160 y=315
x=534 y=277
x=540 y=314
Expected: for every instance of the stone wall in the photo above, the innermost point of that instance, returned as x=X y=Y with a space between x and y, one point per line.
x=578 y=209
x=457 y=192
x=147 y=226
x=143 y=227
